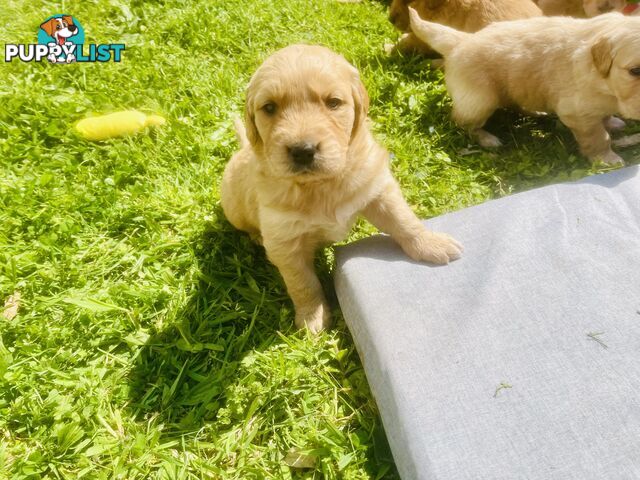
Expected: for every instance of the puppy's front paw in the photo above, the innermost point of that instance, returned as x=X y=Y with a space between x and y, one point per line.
x=609 y=158
x=434 y=247
x=314 y=319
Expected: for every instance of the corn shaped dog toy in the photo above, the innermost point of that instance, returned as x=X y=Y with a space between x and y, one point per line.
x=116 y=124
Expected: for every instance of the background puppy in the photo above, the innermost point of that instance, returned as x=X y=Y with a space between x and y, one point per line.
x=580 y=8
x=308 y=166
x=465 y=15
x=583 y=70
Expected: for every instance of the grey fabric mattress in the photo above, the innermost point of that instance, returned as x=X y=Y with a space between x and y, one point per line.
x=522 y=359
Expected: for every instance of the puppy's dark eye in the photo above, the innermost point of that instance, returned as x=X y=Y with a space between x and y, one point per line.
x=269 y=108
x=57 y=27
x=635 y=71
x=333 y=103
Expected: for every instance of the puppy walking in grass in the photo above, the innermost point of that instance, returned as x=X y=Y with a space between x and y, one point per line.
x=584 y=70
x=308 y=166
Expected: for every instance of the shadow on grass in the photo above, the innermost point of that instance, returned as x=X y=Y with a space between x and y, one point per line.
x=228 y=375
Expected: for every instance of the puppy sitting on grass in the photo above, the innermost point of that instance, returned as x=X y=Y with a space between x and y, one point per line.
x=308 y=166
x=584 y=70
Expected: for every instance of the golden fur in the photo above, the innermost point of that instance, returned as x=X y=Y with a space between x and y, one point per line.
x=309 y=95
x=464 y=15
x=584 y=70
x=580 y=8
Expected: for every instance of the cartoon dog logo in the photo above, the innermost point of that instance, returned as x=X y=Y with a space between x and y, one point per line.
x=61 y=29
x=61 y=40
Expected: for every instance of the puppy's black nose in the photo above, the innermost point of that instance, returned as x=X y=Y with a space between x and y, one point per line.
x=72 y=28
x=302 y=154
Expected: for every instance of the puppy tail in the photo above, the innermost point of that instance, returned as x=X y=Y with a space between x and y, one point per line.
x=439 y=37
x=241 y=132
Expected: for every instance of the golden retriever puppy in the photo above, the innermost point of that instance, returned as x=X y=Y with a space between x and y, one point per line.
x=580 y=8
x=584 y=70
x=309 y=166
x=465 y=15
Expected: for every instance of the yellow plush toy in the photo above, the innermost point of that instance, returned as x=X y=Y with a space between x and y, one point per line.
x=116 y=124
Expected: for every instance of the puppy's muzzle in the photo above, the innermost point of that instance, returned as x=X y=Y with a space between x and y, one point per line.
x=302 y=154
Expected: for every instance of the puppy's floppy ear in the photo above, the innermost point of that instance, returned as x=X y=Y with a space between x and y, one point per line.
x=250 y=117
x=360 y=102
x=49 y=26
x=68 y=19
x=602 y=54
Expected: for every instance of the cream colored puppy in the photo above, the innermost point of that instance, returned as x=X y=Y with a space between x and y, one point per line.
x=584 y=70
x=308 y=166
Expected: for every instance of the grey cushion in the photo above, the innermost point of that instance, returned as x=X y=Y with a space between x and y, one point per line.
x=522 y=359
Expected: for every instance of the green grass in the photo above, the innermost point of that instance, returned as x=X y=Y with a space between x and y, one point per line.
x=153 y=340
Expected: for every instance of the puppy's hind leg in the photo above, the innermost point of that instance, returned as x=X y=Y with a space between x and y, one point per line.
x=390 y=213
x=472 y=109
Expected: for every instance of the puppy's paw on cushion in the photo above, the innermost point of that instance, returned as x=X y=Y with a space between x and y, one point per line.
x=434 y=247
x=314 y=319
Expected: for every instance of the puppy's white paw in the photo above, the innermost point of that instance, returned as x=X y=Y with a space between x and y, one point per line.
x=434 y=247
x=614 y=124
x=487 y=140
x=314 y=319
x=52 y=58
x=71 y=58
